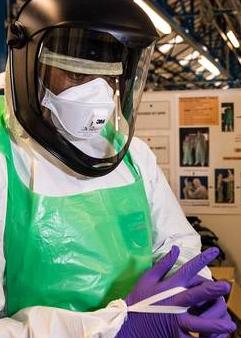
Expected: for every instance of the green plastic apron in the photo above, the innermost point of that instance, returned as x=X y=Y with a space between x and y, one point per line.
x=74 y=252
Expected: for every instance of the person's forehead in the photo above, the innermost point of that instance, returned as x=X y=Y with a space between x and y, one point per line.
x=81 y=75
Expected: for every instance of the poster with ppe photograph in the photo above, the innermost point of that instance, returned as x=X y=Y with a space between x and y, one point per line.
x=194 y=147
x=195 y=189
x=209 y=148
x=196 y=137
x=224 y=186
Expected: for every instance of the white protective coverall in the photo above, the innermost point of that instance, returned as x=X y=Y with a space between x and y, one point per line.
x=40 y=171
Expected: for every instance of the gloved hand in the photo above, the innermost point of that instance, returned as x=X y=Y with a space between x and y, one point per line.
x=212 y=310
x=199 y=291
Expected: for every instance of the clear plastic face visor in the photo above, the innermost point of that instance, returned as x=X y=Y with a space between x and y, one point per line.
x=89 y=88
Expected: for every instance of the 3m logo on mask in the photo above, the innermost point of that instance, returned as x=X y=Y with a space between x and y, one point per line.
x=97 y=124
x=100 y=121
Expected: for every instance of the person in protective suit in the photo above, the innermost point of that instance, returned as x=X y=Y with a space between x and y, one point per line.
x=187 y=148
x=228 y=119
x=85 y=211
x=200 y=149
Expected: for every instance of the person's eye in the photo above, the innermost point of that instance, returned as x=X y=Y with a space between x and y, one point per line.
x=75 y=76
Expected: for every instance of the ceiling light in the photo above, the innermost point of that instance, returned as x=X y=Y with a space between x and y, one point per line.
x=157 y=20
x=229 y=45
x=178 y=39
x=223 y=36
x=233 y=39
x=171 y=43
x=210 y=76
x=183 y=62
x=192 y=56
x=195 y=54
x=200 y=69
x=209 y=65
x=164 y=48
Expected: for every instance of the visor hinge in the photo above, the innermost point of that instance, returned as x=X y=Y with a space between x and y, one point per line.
x=17 y=37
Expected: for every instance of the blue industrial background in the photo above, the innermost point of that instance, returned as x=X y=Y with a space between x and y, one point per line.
x=4 y=14
x=202 y=24
x=3 y=47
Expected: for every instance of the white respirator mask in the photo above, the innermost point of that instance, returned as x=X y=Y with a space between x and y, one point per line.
x=82 y=111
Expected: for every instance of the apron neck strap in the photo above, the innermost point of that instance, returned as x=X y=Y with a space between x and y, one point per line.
x=118 y=141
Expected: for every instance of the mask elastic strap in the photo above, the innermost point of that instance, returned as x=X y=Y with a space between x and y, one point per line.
x=118 y=141
x=147 y=307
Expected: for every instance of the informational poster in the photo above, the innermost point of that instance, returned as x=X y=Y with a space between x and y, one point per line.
x=196 y=136
x=209 y=168
x=198 y=111
x=154 y=128
x=153 y=115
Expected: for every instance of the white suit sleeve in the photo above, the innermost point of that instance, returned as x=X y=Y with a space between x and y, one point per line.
x=45 y=322
x=170 y=226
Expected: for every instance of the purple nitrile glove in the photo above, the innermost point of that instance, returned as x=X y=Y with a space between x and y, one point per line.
x=216 y=310
x=170 y=325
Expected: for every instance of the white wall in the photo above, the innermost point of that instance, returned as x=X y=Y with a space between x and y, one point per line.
x=228 y=229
